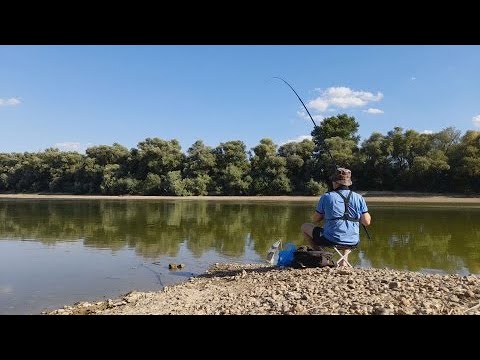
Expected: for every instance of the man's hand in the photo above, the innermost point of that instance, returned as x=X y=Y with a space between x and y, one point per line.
x=365 y=219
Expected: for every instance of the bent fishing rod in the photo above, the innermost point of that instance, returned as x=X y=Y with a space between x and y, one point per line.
x=311 y=118
x=323 y=140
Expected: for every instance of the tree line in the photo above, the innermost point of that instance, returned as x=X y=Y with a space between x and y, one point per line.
x=401 y=160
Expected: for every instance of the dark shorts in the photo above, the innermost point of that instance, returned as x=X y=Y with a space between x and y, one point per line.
x=321 y=240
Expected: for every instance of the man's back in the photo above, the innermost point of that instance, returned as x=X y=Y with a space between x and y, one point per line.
x=332 y=206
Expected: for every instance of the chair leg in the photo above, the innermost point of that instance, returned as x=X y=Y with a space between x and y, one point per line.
x=343 y=261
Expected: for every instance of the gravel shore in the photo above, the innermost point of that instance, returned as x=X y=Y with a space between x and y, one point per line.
x=260 y=289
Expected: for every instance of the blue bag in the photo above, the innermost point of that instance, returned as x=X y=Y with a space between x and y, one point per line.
x=285 y=256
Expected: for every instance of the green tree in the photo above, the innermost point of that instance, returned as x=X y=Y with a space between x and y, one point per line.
x=300 y=164
x=336 y=142
x=375 y=167
x=89 y=177
x=429 y=172
x=268 y=170
x=315 y=188
x=200 y=160
x=231 y=175
x=105 y=154
x=465 y=162
x=152 y=185
x=444 y=140
x=159 y=157
x=342 y=126
x=174 y=184
x=59 y=169
x=199 y=168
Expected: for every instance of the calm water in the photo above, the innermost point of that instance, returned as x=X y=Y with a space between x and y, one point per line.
x=57 y=252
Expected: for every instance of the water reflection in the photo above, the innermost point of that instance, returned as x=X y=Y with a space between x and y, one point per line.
x=412 y=238
x=425 y=238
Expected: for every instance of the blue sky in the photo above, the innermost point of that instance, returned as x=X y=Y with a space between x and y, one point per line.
x=72 y=97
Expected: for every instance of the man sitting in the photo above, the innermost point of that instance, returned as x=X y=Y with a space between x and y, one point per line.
x=341 y=210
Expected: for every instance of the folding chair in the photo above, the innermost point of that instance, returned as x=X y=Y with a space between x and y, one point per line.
x=343 y=252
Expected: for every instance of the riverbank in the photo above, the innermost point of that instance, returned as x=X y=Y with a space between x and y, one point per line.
x=370 y=196
x=260 y=289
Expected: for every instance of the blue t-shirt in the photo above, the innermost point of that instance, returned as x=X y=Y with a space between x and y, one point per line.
x=331 y=205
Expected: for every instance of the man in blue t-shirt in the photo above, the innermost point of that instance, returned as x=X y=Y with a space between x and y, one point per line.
x=342 y=211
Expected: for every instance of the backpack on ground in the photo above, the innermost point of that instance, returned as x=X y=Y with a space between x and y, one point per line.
x=306 y=257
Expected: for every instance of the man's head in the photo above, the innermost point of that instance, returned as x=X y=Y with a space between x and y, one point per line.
x=342 y=176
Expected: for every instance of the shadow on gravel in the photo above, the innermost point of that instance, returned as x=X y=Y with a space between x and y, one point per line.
x=234 y=272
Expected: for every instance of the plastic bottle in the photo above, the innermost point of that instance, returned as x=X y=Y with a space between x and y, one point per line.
x=273 y=252
x=285 y=257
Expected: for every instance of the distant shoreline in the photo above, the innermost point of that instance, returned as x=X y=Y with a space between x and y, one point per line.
x=370 y=197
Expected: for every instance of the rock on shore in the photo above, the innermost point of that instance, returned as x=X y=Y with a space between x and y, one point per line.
x=261 y=289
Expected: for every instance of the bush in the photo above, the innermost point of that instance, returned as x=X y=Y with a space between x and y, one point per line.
x=316 y=188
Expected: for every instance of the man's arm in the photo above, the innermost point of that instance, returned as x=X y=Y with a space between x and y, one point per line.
x=365 y=219
x=317 y=217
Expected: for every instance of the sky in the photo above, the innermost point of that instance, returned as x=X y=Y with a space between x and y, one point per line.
x=75 y=96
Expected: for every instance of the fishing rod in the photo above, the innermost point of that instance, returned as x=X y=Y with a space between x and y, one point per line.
x=323 y=140
x=311 y=118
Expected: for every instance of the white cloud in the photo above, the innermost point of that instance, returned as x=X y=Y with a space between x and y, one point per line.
x=476 y=120
x=343 y=97
x=337 y=98
x=373 y=111
x=72 y=146
x=427 y=132
x=9 y=102
x=413 y=78
x=317 y=118
x=297 y=139
x=319 y=104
